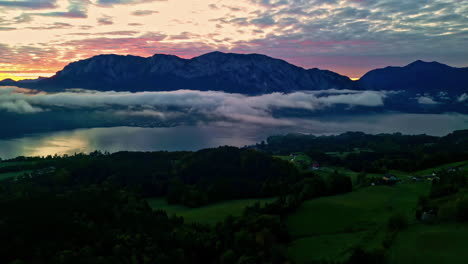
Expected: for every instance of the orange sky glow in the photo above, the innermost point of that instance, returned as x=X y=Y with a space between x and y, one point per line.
x=351 y=37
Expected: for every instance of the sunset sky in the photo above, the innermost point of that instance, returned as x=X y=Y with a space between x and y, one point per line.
x=39 y=37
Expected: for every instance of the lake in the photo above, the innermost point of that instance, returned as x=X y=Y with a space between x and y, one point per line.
x=218 y=134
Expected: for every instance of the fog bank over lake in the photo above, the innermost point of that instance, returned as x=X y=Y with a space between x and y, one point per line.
x=213 y=134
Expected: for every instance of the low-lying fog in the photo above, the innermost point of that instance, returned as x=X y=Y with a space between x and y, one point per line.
x=36 y=123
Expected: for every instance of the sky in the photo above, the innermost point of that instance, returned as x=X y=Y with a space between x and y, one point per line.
x=351 y=37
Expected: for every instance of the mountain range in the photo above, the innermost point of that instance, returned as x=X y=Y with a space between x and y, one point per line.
x=241 y=73
x=418 y=77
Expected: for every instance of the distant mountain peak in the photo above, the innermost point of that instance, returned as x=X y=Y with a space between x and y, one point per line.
x=420 y=63
x=418 y=77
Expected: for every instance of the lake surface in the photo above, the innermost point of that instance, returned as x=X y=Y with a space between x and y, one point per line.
x=219 y=134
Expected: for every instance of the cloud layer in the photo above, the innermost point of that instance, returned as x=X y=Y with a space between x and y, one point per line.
x=216 y=105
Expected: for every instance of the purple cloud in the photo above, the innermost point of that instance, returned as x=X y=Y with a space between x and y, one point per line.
x=144 y=12
x=116 y=2
x=30 y=4
x=105 y=20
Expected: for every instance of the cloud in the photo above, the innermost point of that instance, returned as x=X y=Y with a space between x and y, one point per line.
x=12 y=101
x=426 y=100
x=19 y=106
x=56 y=25
x=128 y=2
x=105 y=20
x=263 y=21
x=67 y=14
x=144 y=12
x=7 y=28
x=463 y=98
x=365 y=98
x=75 y=9
x=109 y=33
x=212 y=105
x=29 y=4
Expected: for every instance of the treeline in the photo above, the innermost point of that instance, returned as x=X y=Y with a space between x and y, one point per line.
x=189 y=178
x=447 y=200
x=374 y=153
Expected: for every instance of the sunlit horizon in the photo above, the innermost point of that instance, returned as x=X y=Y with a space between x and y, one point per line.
x=348 y=37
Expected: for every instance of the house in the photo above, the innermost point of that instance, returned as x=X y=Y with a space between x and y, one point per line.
x=389 y=179
x=315 y=166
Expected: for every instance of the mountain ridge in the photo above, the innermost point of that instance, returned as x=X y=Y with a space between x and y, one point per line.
x=419 y=77
x=239 y=73
x=227 y=72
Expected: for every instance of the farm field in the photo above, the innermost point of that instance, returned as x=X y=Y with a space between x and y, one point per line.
x=4 y=164
x=344 y=154
x=461 y=165
x=210 y=214
x=440 y=243
x=9 y=175
x=14 y=172
x=339 y=223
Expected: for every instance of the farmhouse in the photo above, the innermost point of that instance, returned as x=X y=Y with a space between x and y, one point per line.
x=315 y=166
x=389 y=179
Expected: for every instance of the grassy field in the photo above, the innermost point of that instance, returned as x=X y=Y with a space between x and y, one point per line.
x=22 y=167
x=10 y=164
x=300 y=160
x=461 y=165
x=442 y=243
x=329 y=227
x=344 y=154
x=210 y=214
x=9 y=175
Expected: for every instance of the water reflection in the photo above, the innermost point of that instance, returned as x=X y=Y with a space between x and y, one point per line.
x=125 y=138
x=218 y=134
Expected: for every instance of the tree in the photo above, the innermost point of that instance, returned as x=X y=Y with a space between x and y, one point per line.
x=397 y=222
x=339 y=183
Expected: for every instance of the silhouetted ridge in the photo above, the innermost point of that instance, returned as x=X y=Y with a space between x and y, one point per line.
x=241 y=73
x=217 y=71
x=418 y=77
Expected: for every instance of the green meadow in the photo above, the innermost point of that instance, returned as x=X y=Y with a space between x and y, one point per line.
x=210 y=214
x=440 y=243
x=13 y=174
x=461 y=165
x=329 y=228
x=9 y=175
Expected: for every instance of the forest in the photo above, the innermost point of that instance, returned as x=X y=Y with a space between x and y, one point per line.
x=374 y=153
